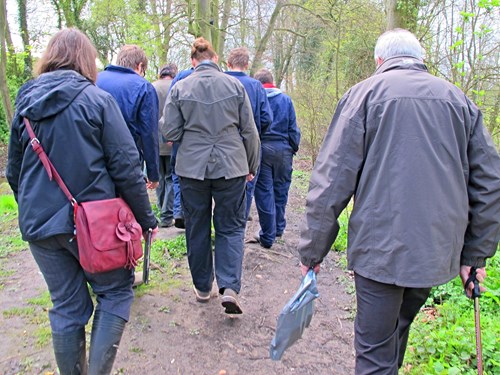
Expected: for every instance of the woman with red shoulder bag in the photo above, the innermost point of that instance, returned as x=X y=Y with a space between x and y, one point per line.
x=85 y=137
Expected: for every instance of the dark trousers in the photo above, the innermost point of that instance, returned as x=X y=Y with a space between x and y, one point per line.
x=271 y=190
x=384 y=315
x=229 y=225
x=57 y=258
x=164 y=191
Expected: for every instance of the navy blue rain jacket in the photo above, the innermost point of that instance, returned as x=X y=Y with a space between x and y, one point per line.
x=84 y=135
x=284 y=126
x=262 y=113
x=138 y=102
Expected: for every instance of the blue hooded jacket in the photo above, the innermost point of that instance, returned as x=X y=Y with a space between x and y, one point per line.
x=262 y=113
x=284 y=126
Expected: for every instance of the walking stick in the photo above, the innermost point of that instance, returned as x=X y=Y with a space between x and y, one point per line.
x=476 y=293
x=147 y=256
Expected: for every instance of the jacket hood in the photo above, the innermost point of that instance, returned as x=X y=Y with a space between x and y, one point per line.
x=272 y=92
x=50 y=94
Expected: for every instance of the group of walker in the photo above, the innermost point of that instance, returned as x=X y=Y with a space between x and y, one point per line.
x=410 y=148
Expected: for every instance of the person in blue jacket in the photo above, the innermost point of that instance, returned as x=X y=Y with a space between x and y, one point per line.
x=279 y=143
x=237 y=62
x=138 y=102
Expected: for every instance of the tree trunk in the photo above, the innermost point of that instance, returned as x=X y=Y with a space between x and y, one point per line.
x=23 y=26
x=393 y=15
x=223 y=28
x=4 y=89
x=257 y=61
x=71 y=10
x=402 y=14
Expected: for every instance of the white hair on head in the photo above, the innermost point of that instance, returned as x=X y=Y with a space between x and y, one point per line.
x=398 y=42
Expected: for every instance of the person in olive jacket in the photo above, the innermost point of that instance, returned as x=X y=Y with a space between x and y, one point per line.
x=210 y=114
x=412 y=150
x=86 y=138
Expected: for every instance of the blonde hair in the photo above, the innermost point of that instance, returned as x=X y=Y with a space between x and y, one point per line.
x=202 y=50
x=130 y=56
x=72 y=50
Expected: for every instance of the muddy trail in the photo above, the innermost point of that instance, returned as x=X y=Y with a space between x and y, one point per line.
x=170 y=333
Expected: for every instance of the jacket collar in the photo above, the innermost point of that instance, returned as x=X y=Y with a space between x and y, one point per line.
x=235 y=73
x=401 y=62
x=207 y=64
x=120 y=69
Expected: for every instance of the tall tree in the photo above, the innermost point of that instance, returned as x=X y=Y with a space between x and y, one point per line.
x=262 y=43
x=4 y=89
x=23 y=27
x=402 y=14
x=69 y=11
x=207 y=18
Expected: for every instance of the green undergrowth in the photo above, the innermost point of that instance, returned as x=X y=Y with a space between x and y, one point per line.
x=164 y=265
x=442 y=339
x=11 y=237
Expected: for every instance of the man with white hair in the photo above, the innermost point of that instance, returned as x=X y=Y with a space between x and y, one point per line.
x=412 y=150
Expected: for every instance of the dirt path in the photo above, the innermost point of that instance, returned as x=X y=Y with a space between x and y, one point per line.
x=170 y=333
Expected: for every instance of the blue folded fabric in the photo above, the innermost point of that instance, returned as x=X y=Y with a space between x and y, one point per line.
x=295 y=316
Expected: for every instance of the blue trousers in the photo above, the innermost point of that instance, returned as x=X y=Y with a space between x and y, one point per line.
x=164 y=191
x=271 y=190
x=229 y=225
x=384 y=315
x=57 y=258
x=178 y=209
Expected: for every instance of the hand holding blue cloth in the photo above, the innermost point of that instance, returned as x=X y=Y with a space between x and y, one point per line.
x=295 y=316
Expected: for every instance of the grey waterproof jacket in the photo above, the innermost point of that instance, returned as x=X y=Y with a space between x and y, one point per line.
x=210 y=114
x=425 y=175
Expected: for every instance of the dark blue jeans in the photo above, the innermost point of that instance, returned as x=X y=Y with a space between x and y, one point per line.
x=57 y=259
x=178 y=209
x=164 y=191
x=271 y=190
x=229 y=225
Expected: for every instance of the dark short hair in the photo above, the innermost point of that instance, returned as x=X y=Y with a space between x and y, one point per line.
x=69 y=49
x=168 y=70
x=264 y=76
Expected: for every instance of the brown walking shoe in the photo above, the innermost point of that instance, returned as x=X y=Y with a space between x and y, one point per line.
x=229 y=301
x=202 y=297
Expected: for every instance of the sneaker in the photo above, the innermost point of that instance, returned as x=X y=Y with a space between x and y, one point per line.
x=229 y=301
x=179 y=223
x=202 y=297
x=256 y=237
